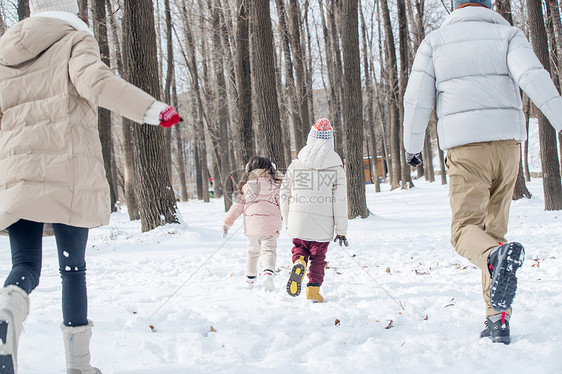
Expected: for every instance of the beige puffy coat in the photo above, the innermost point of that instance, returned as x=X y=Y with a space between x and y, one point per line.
x=314 y=193
x=259 y=201
x=51 y=166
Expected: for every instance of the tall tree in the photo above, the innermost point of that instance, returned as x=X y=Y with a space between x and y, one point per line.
x=104 y=115
x=83 y=9
x=244 y=83
x=300 y=66
x=23 y=9
x=221 y=104
x=198 y=110
x=503 y=7
x=263 y=76
x=404 y=73
x=353 y=111
x=289 y=77
x=393 y=103
x=370 y=125
x=156 y=198
x=337 y=71
x=547 y=135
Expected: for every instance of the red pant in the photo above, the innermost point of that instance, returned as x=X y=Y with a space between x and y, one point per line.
x=316 y=253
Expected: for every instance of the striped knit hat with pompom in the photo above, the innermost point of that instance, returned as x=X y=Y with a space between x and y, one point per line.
x=39 y=6
x=322 y=129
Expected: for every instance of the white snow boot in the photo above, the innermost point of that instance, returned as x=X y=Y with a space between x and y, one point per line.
x=14 y=307
x=269 y=280
x=77 y=349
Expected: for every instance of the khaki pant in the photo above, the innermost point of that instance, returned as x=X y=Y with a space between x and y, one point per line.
x=267 y=246
x=481 y=181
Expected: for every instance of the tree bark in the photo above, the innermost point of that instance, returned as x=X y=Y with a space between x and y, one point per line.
x=244 y=84
x=104 y=115
x=299 y=64
x=23 y=9
x=156 y=199
x=370 y=107
x=337 y=71
x=289 y=77
x=392 y=97
x=547 y=135
x=263 y=76
x=353 y=111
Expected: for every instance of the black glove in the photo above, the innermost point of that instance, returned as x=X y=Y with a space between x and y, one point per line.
x=341 y=239
x=413 y=159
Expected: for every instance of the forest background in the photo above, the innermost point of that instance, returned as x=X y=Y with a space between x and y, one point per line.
x=251 y=77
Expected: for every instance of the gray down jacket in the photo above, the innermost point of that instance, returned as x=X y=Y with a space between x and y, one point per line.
x=474 y=64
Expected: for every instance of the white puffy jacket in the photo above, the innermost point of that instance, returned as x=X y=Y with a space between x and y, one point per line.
x=475 y=63
x=314 y=193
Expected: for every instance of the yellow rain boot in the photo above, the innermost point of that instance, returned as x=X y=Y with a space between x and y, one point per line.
x=313 y=293
x=297 y=274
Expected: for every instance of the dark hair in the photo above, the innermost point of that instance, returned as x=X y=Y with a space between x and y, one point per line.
x=259 y=162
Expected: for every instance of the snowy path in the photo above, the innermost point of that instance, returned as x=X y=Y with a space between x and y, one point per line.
x=404 y=246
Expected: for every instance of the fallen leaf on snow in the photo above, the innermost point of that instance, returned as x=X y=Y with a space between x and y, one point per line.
x=337 y=322
x=212 y=329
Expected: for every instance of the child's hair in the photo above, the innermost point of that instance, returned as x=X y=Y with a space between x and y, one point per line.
x=259 y=162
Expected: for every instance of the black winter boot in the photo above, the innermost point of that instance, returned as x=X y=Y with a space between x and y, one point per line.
x=498 y=331
x=503 y=262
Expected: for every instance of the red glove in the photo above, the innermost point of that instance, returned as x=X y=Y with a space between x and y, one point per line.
x=169 y=117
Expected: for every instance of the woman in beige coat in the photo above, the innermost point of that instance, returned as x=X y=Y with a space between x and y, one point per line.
x=51 y=166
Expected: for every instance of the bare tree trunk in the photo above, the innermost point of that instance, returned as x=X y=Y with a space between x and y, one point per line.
x=547 y=135
x=353 y=112
x=289 y=78
x=337 y=71
x=263 y=76
x=442 y=167
x=299 y=64
x=244 y=83
x=392 y=97
x=83 y=9
x=23 y=9
x=156 y=199
x=555 y=38
x=104 y=115
x=198 y=110
x=370 y=97
x=222 y=107
x=309 y=63
x=527 y=109
x=404 y=73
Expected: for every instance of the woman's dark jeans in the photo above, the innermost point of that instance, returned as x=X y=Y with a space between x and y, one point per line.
x=26 y=244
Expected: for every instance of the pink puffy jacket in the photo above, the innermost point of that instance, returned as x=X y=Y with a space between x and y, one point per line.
x=259 y=201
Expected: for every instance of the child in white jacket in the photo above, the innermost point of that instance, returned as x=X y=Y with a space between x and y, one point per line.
x=258 y=200
x=314 y=207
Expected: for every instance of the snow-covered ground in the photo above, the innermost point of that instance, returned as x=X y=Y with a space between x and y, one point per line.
x=401 y=255
x=404 y=246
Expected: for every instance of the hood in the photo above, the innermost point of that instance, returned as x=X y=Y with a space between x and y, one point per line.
x=260 y=186
x=29 y=38
x=319 y=154
x=474 y=14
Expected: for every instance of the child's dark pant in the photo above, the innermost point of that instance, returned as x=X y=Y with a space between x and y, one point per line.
x=314 y=254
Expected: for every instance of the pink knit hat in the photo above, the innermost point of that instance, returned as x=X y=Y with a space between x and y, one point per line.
x=322 y=129
x=38 y=6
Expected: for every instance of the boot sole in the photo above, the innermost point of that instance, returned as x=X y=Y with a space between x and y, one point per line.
x=295 y=280
x=7 y=364
x=504 y=281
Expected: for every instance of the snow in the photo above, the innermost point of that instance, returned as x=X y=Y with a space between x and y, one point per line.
x=402 y=256
x=398 y=300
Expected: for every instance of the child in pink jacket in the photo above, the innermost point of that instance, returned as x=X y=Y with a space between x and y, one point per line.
x=258 y=199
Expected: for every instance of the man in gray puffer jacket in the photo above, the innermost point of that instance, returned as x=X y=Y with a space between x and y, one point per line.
x=474 y=65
